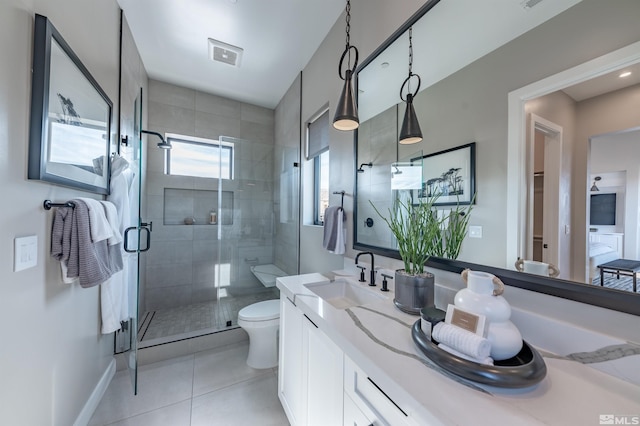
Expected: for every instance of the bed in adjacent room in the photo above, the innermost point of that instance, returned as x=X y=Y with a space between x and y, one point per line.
x=600 y=253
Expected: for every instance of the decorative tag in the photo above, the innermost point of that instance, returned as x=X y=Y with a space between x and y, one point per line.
x=466 y=320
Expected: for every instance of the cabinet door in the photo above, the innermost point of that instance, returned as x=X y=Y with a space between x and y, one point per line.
x=324 y=380
x=373 y=401
x=353 y=416
x=290 y=372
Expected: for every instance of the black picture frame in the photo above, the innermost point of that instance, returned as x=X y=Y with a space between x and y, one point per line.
x=70 y=127
x=450 y=175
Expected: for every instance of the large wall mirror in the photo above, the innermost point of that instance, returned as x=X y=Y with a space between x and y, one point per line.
x=550 y=116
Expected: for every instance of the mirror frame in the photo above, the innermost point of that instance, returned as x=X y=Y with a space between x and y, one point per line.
x=571 y=290
x=40 y=139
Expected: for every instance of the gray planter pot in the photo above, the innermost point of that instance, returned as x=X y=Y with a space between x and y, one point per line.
x=413 y=292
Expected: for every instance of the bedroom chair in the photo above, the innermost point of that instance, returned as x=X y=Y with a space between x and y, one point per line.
x=537 y=268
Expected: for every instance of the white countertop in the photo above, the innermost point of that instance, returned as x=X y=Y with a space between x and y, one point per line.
x=377 y=337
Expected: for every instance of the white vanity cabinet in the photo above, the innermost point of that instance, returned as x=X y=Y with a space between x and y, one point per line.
x=375 y=404
x=318 y=384
x=322 y=361
x=310 y=376
x=290 y=362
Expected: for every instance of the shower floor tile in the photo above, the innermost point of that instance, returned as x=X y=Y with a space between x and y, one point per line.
x=203 y=317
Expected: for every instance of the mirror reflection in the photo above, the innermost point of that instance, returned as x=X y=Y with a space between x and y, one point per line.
x=572 y=137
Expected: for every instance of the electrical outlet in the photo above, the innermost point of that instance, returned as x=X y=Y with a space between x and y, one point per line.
x=25 y=253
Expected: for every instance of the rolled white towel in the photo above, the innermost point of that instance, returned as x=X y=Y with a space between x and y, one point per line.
x=488 y=360
x=462 y=340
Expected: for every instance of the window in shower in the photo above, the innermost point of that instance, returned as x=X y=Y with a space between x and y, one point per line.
x=199 y=157
x=321 y=187
x=318 y=151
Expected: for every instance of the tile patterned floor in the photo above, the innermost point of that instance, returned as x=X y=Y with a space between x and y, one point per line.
x=209 y=388
x=206 y=317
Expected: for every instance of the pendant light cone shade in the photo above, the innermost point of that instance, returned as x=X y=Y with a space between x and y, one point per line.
x=346 y=117
x=410 y=131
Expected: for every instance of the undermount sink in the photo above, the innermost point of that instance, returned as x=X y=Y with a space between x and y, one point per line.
x=344 y=294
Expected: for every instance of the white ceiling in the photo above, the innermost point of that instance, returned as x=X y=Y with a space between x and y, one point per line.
x=604 y=84
x=280 y=36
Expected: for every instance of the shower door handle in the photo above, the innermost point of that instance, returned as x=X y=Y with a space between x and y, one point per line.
x=146 y=227
x=126 y=239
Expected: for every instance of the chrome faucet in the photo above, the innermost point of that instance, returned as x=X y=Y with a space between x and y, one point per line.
x=372 y=280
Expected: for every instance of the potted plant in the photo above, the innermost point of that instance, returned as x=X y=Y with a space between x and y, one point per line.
x=421 y=233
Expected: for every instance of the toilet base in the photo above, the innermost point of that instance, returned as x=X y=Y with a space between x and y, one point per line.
x=263 y=346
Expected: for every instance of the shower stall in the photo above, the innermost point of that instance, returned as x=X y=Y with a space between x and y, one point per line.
x=224 y=214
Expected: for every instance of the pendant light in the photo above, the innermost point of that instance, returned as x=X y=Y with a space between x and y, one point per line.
x=410 y=131
x=594 y=187
x=346 y=117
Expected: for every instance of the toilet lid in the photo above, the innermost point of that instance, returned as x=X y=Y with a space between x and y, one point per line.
x=261 y=311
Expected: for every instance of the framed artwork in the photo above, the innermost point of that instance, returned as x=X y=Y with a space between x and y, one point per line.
x=450 y=175
x=70 y=127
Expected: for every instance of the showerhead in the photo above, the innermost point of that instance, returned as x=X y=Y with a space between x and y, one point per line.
x=361 y=170
x=162 y=144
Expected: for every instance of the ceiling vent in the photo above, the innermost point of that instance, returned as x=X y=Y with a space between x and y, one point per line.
x=225 y=53
x=528 y=4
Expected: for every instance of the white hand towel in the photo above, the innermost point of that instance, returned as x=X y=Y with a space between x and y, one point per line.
x=98 y=224
x=462 y=340
x=488 y=360
x=335 y=233
x=112 y=308
x=114 y=221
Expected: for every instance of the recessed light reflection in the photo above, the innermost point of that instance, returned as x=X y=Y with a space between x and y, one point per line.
x=625 y=74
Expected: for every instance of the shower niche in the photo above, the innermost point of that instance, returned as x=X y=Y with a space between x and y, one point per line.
x=195 y=207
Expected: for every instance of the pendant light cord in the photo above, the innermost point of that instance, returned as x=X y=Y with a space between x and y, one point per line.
x=407 y=82
x=348 y=19
x=348 y=47
x=410 y=55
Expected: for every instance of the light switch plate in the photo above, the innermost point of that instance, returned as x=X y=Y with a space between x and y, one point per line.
x=25 y=254
x=475 y=232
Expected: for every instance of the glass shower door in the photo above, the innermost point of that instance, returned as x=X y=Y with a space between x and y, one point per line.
x=136 y=238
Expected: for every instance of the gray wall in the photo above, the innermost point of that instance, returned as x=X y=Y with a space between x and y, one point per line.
x=286 y=179
x=180 y=263
x=52 y=352
x=604 y=114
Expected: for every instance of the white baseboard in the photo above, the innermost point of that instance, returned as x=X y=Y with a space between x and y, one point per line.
x=97 y=394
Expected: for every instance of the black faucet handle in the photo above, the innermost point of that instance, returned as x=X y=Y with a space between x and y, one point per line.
x=362 y=269
x=384 y=282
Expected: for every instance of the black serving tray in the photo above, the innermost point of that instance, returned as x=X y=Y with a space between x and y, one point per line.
x=523 y=370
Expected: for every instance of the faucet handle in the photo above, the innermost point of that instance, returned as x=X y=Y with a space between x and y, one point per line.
x=384 y=282
x=362 y=268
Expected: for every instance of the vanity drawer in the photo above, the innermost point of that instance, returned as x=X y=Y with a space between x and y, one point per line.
x=371 y=398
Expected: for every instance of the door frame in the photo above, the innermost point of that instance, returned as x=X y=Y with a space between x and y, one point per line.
x=553 y=144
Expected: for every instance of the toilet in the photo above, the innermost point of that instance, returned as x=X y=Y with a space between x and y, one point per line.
x=261 y=321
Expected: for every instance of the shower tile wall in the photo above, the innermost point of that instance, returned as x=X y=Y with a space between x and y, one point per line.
x=180 y=263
